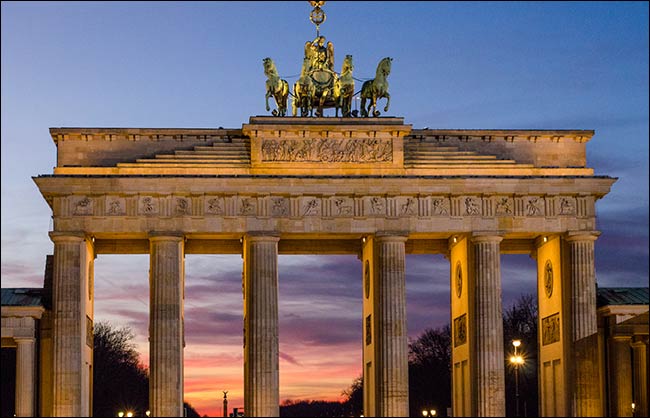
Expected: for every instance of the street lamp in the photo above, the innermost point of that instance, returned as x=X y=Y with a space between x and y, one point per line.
x=120 y=414
x=425 y=413
x=433 y=412
x=516 y=361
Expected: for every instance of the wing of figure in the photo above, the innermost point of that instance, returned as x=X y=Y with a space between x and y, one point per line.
x=330 y=55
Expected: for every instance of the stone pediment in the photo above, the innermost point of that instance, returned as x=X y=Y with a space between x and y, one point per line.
x=321 y=146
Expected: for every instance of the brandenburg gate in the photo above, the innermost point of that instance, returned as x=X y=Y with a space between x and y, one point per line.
x=371 y=186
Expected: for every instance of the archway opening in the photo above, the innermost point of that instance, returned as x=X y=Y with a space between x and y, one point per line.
x=320 y=325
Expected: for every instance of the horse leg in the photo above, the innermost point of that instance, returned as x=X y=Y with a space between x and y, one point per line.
x=268 y=94
x=387 y=96
x=364 y=112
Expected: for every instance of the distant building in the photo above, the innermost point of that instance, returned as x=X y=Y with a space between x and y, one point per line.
x=623 y=343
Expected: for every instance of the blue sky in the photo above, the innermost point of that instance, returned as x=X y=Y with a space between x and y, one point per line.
x=491 y=65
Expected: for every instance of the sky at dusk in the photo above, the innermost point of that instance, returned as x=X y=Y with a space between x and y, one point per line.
x=484 y=65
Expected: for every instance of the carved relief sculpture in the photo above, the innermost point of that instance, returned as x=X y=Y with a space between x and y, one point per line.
x=327 y=150
x=439 y=206
x=460 y=330
x=341 y=207
x=214 y=206
x=504 y=206
x=83 y=207
x=533 y=206
x=280 y=207
x=567 y=207
x=471 y=206
x=551 y=329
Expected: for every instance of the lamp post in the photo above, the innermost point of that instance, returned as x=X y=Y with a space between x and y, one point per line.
x=516 y=361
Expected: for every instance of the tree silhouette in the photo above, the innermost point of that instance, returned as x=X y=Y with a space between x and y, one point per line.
x=120 y=381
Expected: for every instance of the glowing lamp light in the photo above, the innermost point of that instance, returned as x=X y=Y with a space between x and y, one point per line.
x=129 y=414
x=148 y=412
x=516 y=343
x=120 y=414
x=433 y=412
x=425 y=413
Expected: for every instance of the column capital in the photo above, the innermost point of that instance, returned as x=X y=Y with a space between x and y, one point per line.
x=401 y=236
x=166 y=236
x=24 y=340
x=572 y=236
x=478 y=237
x=271 y=236
x=75 y=236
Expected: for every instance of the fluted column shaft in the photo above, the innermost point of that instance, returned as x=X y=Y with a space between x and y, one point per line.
x=585 y=394
x=68 y=326
x=620 y=366
x=24 y=377
x=261 y=349
x=640 y=361
x=489 y=327
x=166 y=282
x=392 y=342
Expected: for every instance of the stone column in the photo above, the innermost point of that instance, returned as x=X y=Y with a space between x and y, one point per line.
x=391 y=343
x=261 y=350
x=585 y=399
x=71 y=389
x=620 y=380
x=490 y=379
x=640 y=356
x=24 y=377
x=166 y=333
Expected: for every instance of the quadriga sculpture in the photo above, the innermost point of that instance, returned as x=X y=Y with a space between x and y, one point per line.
x=376 y=89
x=275 y=87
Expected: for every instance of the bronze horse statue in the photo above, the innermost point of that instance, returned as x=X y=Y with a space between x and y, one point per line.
x=275 y=87
x=304 y=91
x=376 y=88
x=345 y=88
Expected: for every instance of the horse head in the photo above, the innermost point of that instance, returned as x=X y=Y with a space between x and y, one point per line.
x=269 y=67
x=383 y=67
x=347 y=66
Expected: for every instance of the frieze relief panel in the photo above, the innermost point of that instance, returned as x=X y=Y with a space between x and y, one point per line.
x=148 y=206
x=280 y=207
x=82 y=206
x=341 y=206
x=332 y=206
x=440 y=206
x=247 y=206
x=181 y=206
x=310 y=206
x=214 y=205
x=374 y=206
x=326 y=150
x=115 y=206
